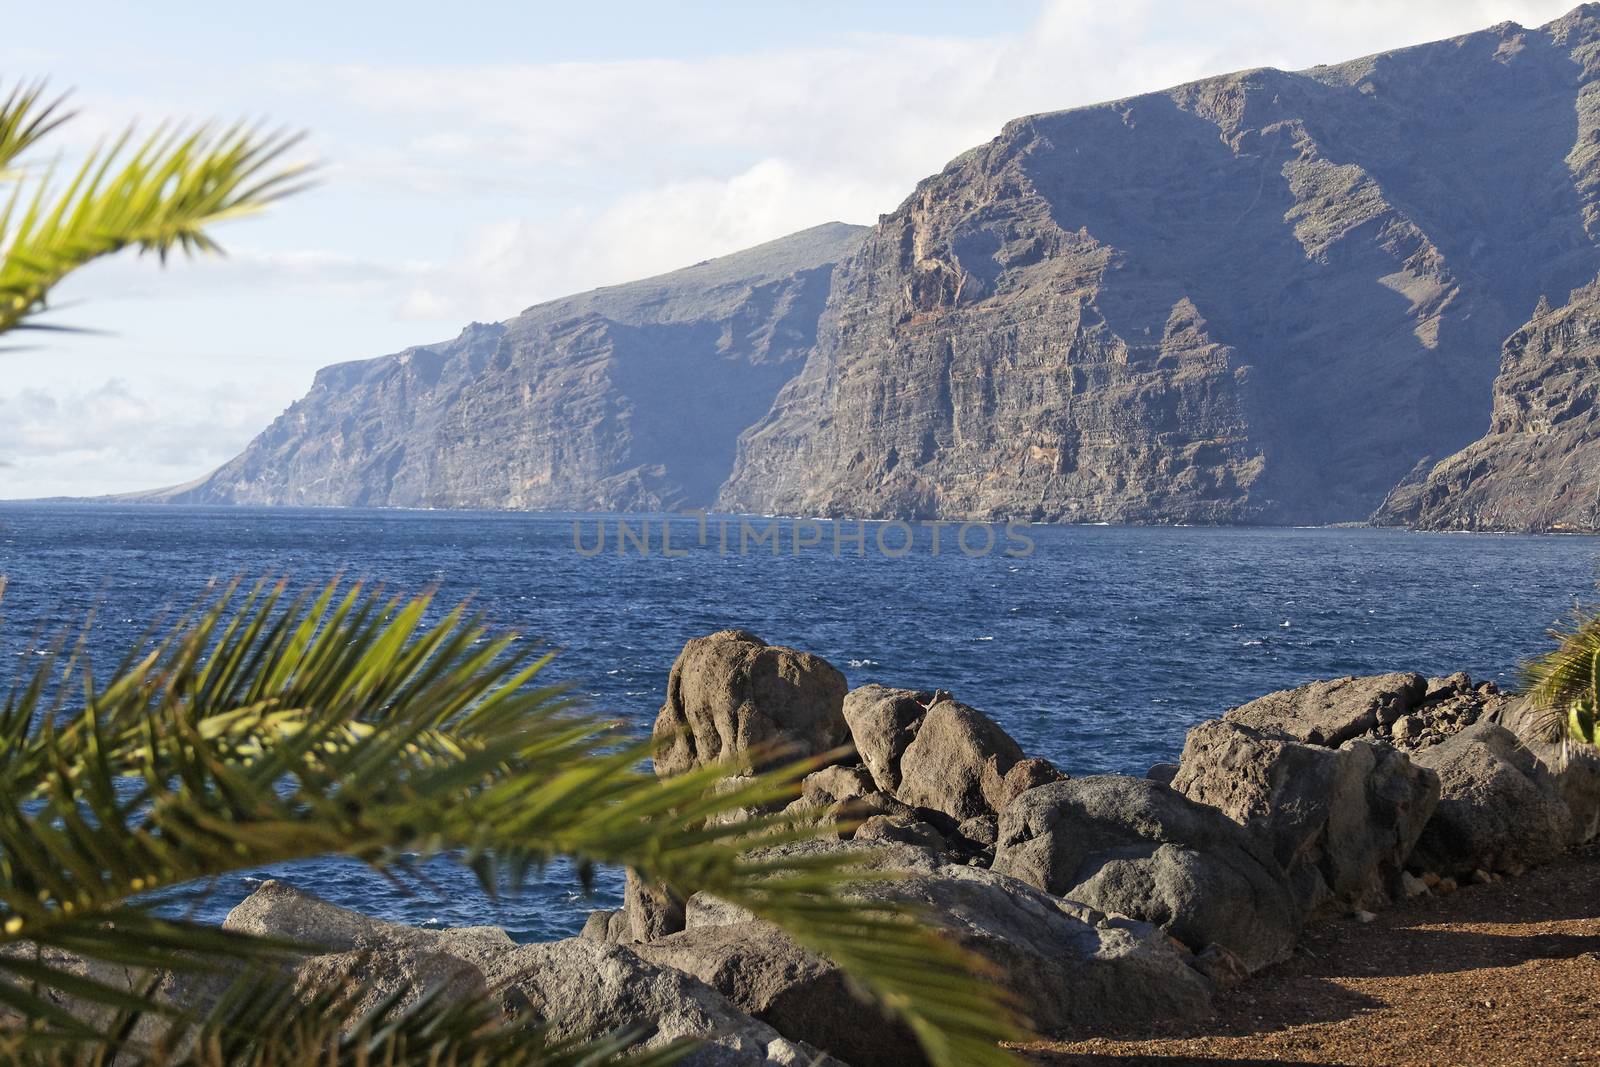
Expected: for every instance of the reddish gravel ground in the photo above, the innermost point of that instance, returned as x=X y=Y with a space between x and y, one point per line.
x=1505 y=973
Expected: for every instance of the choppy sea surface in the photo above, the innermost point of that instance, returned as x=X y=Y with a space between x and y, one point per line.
x=1098 y=649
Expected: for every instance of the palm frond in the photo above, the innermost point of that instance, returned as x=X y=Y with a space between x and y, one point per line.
x=26 y=117
x=156 y=195
x=263 y=1020
x=1562 y=687
x=267 y=728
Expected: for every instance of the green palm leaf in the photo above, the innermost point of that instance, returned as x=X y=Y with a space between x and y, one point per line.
x=1563 y=686
x=267 y=728
x=162 y=193
x=262 y=1020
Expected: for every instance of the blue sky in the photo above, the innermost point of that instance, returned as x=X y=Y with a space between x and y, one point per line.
x=477 y=158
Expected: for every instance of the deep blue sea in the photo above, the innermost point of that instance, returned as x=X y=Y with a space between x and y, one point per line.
x=1097 y=650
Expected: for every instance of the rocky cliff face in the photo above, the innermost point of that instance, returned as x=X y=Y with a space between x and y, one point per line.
x=1538 y=467
x=626 y=398
x=1262 y=297
x=1259 y=297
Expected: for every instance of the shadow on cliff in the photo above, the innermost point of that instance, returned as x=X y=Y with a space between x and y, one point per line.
x=1345 y=380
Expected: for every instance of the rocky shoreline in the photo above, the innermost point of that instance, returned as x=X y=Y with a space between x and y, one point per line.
x=1105 y=902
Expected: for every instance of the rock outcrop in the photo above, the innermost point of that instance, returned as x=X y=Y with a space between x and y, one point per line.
x=1332 y=774
x=732 y=696
x=628 y=398
x=1334 y=711
x=385 y=959
x=1068 y=964
x=1266 y=296
x=1340 y=821
x=932 y=752
x=1499 y=807
x=1138 y=848
x=1401 y=709
x=1538 y=467
x=580 y=987
x=1103 y=903
x=1261 y=297
x=796 y=992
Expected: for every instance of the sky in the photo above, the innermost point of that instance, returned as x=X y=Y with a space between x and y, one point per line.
x=476 y=158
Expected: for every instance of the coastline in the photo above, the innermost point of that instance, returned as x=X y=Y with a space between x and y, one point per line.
x=153 y=499
x=1225 y=904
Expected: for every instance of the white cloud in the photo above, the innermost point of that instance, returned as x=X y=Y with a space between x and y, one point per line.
x=112 y=436
x=692 y=159
x=642 y=233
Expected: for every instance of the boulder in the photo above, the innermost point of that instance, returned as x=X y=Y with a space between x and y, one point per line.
x=1499 y=808
x=1573 y=769
x=381 y=960
x=384 y=957
x=957 y=762
x=603 y=925
x=1335 y=711
x=980 y=832
x=731 y=695
x=796 y=992
x=934 y=753
x=1341 y=822
x=582 y=988
x=651 y=911
x=744 y=813
x=277 y=909
x=120 y=977
x=1141 y=849
x=379 y=968
x=882 y=722
x=1025 y=774
x=1068 y=965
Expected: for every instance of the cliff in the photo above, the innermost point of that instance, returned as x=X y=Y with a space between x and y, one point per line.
x=626 y=398
x=1538 y=467
x=1263 y=297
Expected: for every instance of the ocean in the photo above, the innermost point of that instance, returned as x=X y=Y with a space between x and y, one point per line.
x=1096 y=647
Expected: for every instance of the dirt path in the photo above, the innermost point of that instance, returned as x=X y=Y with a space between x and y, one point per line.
x=1506 y=973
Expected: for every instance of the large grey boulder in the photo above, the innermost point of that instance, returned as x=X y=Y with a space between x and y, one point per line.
x=277 y=909
x=1334 y=711
x=584 y=988
x=580 y=987
x=1341 y=822
x=731 y=694
x=120 y=977
x=798 y=993
x=1499 y=808
x=1068 y=965
x=882 y=722
x=1138 y=848
x=957 y=763
x=933 y=752
x=384 y=958
x=1573 y=769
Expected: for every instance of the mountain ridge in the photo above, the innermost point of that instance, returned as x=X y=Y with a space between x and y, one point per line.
x=627 y=397
x=1258 y=297
x=1140 y=311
